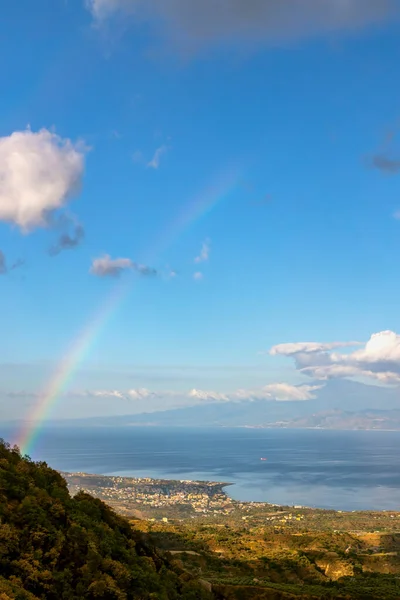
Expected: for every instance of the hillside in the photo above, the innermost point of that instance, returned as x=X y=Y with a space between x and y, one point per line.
x=56 y=547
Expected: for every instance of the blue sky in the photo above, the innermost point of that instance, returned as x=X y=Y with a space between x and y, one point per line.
x=304 y=245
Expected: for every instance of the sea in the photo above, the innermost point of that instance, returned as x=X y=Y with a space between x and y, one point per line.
x=341 y=470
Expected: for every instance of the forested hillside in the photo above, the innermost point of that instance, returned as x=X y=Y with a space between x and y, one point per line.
x=56 y=547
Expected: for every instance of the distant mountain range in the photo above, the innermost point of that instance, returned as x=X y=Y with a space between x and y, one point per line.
x=389 y=420
x=239 y=416
x=339 y=405
x=335 y=419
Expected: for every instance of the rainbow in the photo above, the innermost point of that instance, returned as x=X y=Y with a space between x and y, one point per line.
x=65 y=370
x=200 y=206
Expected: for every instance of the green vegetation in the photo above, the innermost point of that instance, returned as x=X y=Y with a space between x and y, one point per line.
x=56 y=547
x=260 y=562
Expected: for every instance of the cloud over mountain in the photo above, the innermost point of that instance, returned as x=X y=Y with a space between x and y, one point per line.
x=281 y=392
x=378 y=359
x=133 y=394
x=207 y=395
x=39 y=172
x=308 y=347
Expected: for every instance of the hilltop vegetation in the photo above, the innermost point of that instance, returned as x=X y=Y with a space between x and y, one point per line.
x=56 y=547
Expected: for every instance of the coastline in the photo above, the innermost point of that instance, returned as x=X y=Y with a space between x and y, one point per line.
x=215 y=485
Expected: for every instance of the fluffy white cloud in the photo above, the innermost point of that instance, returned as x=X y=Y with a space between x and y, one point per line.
x=198 y=22
x=378 y=359
x=281 y=392
x=204 y=252
x=207 y=395
x=343 y=371
x=105 y=266
x=39 y=172
x=308 y=347
x=275 y=392
x=198 y=276
x=139 y=394
x=284 y=391
x=106 y=394
x=381 y=347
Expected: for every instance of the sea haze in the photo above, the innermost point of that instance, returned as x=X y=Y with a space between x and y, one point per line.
x=343 y=470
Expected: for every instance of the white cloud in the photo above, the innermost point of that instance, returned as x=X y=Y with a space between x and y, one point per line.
x=281 y=392
x=39 y=172
x=155 y=161
x=106 y=394
x=284 y=391
x=396 y=215
x=378 y=359
x=207 y=395
x=204 y=252
x=342 y=371
x=308 y=347
x=197 y=23
x=105 y=266
x=198 y=276
x=139 y=394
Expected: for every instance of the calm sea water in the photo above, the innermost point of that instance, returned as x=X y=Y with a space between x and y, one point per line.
x=345 y=470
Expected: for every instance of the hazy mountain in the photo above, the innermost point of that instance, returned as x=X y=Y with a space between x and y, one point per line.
x=339 y=404
x=337 y=395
